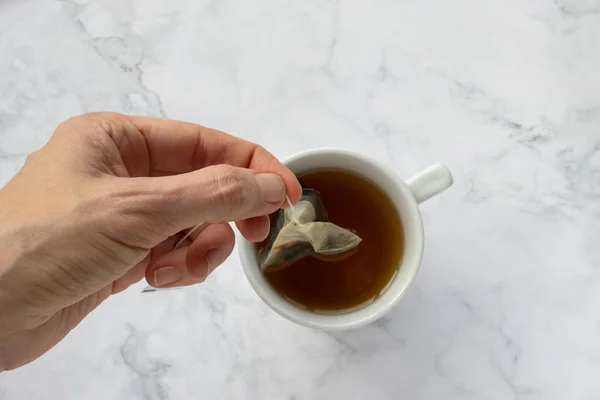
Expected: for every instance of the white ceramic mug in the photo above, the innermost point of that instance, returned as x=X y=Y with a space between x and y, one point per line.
x=405 y=195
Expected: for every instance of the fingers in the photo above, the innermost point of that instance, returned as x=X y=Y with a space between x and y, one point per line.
x=176 y=147
x=210 y=250
x=213 y=194
x=132 y=276
x=192 y=263
x=254 y=229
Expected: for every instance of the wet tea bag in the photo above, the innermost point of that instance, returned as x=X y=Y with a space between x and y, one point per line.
x=304 y=230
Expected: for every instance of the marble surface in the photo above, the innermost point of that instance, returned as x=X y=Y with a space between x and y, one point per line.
x=505 y=92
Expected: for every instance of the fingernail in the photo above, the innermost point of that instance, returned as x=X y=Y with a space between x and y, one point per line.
x=165 y=275
x=271 y=187
x=214 y=258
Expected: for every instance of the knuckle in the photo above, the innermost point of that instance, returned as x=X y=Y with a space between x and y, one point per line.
x=103 y=115
x=94 y=117
x=72 y=125
x=32 y=157
x=143 y=212
x=231 y=188
x=88 y=122
x=71 y=121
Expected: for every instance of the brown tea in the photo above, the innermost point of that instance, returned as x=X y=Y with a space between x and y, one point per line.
x=329 y=285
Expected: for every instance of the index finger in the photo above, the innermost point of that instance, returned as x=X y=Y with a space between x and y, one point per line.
x=178 y=147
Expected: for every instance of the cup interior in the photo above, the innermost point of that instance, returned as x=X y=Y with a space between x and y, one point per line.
x=412 y=227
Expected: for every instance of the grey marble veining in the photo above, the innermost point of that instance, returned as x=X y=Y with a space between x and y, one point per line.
x=506 y=93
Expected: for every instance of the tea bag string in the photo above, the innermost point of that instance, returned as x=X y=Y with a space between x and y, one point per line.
x=198 y=228
x=292 y=209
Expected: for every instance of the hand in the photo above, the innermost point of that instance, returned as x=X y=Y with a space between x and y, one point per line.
x=103 y=204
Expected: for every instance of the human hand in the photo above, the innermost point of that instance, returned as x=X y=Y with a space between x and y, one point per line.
x=103 y=204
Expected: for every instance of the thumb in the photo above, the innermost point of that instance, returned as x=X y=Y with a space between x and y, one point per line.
x=220 y=193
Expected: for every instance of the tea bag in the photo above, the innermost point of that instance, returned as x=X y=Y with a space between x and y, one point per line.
x=302 y=231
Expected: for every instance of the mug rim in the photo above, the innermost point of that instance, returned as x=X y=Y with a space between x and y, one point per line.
x=408 y=265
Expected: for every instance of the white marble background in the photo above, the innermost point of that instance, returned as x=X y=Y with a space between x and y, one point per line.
x=505 y=92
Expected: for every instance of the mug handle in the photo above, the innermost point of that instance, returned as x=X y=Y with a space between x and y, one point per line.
x=430 y=182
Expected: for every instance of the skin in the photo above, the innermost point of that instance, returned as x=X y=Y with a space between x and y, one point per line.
x=102 y=205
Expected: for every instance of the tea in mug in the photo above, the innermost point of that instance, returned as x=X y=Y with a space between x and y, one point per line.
x=326 y=285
